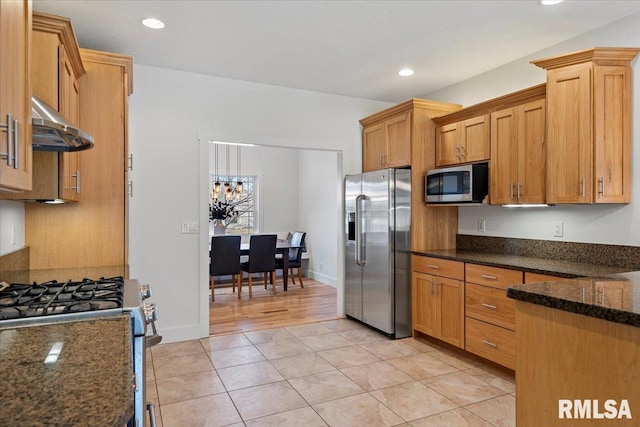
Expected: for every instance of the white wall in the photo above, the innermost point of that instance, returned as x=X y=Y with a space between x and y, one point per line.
x=170 y=111
x=277 y=171
x=613 y=224
x=11 y=226
x=320 y=210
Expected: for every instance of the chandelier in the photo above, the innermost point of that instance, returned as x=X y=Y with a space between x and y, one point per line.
x=227 y=191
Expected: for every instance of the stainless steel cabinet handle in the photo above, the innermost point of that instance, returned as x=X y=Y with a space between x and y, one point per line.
x=510 y=190
x=77 y=177
x=486 y=276
x=519 y=189
x=10 y=141
x=16 y=145
x=493 y=307
x=435 y=267
x=601 y=186
x=490 y=344
x=583 y=186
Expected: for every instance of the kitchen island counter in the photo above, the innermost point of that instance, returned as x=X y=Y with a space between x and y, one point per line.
x=75 y=373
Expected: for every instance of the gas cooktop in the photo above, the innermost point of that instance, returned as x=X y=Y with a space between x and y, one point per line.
x=53 y=297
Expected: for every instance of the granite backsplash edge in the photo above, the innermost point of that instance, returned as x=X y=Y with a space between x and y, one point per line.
x=588 y=253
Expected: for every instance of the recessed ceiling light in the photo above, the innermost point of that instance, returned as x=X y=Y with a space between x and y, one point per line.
x=549 y=2
x=405 y=72
x=154 y=23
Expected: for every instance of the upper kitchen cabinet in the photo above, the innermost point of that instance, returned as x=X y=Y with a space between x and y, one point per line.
x=56 y=68
x=466 y=141
x=94 y=231
x=387 y=144
x=518 y=154
x=589 y=126
x=402 y=136
x=15 y=95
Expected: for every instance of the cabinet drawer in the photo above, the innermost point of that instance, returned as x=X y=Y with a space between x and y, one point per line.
x=438 y=267
x=491 y=342
x=537 y=278
x=490 y=305
x=492 y=276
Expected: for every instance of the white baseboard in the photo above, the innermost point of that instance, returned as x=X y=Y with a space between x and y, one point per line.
x=183 y=333
x=327 y=280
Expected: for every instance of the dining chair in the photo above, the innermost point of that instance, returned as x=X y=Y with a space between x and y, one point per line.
x=262 y=259
x=295 y=256
x=225 y=260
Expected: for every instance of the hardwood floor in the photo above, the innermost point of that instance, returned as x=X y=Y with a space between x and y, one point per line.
x=313 y=303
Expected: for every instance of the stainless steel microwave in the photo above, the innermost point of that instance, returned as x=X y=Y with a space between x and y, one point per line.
x=457 y=184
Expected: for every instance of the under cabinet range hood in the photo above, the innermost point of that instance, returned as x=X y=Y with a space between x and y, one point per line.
x=52 y=132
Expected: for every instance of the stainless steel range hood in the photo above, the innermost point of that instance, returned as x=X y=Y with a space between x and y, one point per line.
x=52 y=132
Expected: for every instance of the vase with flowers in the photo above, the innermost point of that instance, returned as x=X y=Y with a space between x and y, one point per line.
x=221 y=214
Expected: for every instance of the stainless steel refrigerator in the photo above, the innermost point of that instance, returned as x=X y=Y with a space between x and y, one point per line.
x=378 y=250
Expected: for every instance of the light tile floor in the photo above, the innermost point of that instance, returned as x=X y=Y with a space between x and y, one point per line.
x=335 y=373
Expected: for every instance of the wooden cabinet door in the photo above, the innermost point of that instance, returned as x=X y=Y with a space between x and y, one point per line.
x=425 y=309
x=15 y=95
x=504 y=158
x=612 y=162
x=373 y=147
x=569 y=134
x=531 y=152
x=448 y=144
x=69 y=107
x=398 y=141
x=450 y=299
x=475 y=139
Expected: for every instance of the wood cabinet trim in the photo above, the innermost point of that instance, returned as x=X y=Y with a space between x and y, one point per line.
x=441 y=107
x=506 y=101
x=110 y=58
x=600 y=55
x=62 y=27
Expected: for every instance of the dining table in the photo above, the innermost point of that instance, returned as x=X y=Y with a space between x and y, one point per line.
x=282 y=247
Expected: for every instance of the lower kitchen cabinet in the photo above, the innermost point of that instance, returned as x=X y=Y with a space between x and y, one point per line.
x=438 y=301
x=490 y=315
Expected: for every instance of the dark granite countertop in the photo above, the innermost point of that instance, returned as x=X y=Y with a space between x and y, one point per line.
x=568 y=269
x=615 y=298
x=90 y=384
x=63 y=274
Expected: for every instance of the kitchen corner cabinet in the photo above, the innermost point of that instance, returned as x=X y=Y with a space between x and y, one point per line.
x=387 y=144
x=438 y=299
x=518 y=154
x=463 y=142
x=56 y=68
x=589 y=126
x=94 y=231
x=15 y=95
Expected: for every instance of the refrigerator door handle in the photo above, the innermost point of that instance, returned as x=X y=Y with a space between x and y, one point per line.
x=359 y=232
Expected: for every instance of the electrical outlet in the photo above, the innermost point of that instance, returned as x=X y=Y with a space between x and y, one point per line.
x=482 y=223
x=558 y=229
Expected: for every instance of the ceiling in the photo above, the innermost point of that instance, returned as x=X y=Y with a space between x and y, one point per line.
x=352 y=48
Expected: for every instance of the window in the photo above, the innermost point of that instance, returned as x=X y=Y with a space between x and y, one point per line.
x=240 y=211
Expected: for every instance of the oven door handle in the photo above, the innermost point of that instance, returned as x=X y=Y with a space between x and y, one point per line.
x=152 y=414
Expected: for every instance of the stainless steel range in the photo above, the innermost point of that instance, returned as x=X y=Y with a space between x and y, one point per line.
x=53 y=301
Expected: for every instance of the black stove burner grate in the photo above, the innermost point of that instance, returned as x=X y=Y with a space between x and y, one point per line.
x=53 y=297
